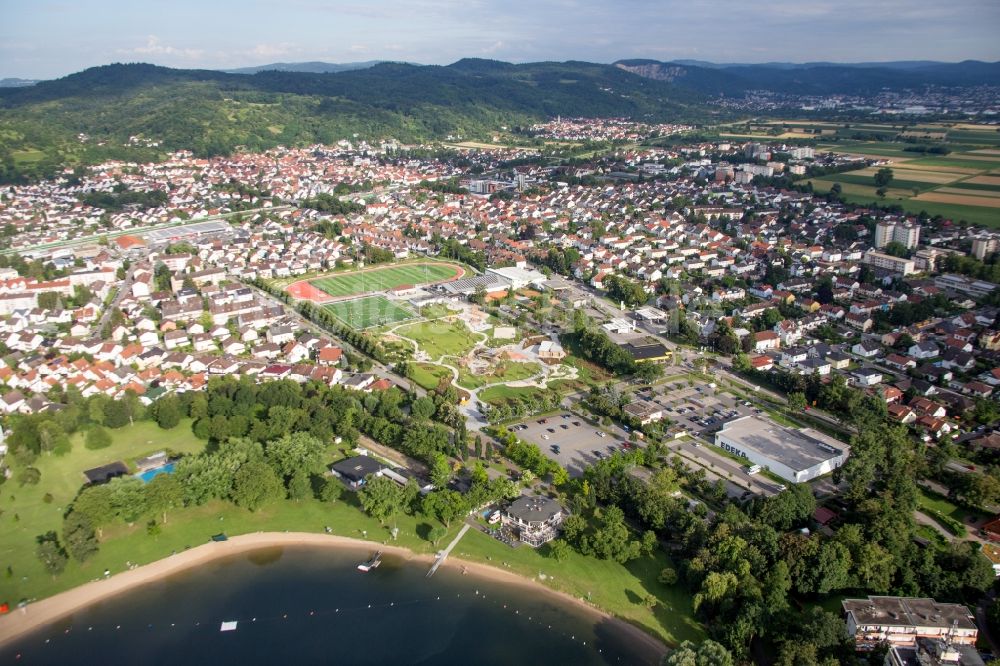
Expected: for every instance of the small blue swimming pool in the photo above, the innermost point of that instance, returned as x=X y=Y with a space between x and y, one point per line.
x=148 y=475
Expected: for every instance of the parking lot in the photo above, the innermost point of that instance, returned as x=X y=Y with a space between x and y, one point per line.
x=571 y=440
x=701 y=411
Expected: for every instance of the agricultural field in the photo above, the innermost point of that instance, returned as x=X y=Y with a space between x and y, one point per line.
x=385 y=278
x=369 y=311
x=961 y=185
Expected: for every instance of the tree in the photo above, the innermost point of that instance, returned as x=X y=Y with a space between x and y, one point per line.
x=51 y=554
x=52 y=437
x=167 y=411
x=29 y=476
x=445 y=505
x=558 y=550
x=97 y=437
x=788 y=508
x=256 y=484
x=79 y=536
x=883 y=177
x=298 y=451
x=708 y=653
x=668 y=576
x=437 y=533
x=440 y=471
x=95 y=503
x=48 y=300
x=797 y=401
x=163 y=493
x=332 y=490
x=381 y=498
x=896 y=249
x=299 y=487
x=611 y=541
x=422 y=408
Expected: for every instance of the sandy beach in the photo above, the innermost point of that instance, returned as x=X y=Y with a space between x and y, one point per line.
x=38 y=614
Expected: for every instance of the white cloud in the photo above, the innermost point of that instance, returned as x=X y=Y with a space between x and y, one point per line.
x=272 y=50
x=155 y=47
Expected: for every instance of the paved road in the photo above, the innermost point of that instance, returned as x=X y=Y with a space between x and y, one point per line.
x=723 y=467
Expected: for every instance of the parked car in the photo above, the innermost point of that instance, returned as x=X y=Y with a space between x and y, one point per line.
x=601 y=433
x=545 y=436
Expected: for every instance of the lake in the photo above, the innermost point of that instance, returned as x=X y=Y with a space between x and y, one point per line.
x=310 y=605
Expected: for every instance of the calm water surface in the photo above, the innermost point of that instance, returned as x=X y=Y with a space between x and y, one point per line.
x=300 y=605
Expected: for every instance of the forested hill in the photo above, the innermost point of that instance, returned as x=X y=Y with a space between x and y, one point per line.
x=213 y=112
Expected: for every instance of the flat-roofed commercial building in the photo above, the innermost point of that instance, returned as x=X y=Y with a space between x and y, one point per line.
x=798 y=455
x=901 y=621
x=963 y=285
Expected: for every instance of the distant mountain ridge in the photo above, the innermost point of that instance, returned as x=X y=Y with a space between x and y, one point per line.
x=17 y=83
x=814 y=78
x=312 y=67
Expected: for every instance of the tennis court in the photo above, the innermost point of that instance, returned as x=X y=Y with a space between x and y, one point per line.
x=369 y=311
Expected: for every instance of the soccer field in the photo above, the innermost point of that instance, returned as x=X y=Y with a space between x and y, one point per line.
x=383 y=279
x=369 y=311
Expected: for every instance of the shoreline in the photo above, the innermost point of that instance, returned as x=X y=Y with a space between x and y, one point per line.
x=34 y=616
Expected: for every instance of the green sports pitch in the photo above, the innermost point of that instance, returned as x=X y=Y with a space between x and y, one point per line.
x=384 y=279
x=369 y=311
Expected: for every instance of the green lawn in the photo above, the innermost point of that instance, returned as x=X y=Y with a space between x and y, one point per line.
x=935 y=502
x=24 y=514
x=441 y=338
x=614 y=587
x=428 y=375
x=369 y=311
x=501 y=393
x=506 y=371
x=385 y=278
x=619 y=589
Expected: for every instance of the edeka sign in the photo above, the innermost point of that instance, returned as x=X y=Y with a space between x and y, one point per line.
x=733 y=449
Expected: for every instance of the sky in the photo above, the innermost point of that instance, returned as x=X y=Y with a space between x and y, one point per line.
x=51 y=38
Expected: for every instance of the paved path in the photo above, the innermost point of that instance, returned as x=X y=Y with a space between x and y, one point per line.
x=443 y=555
